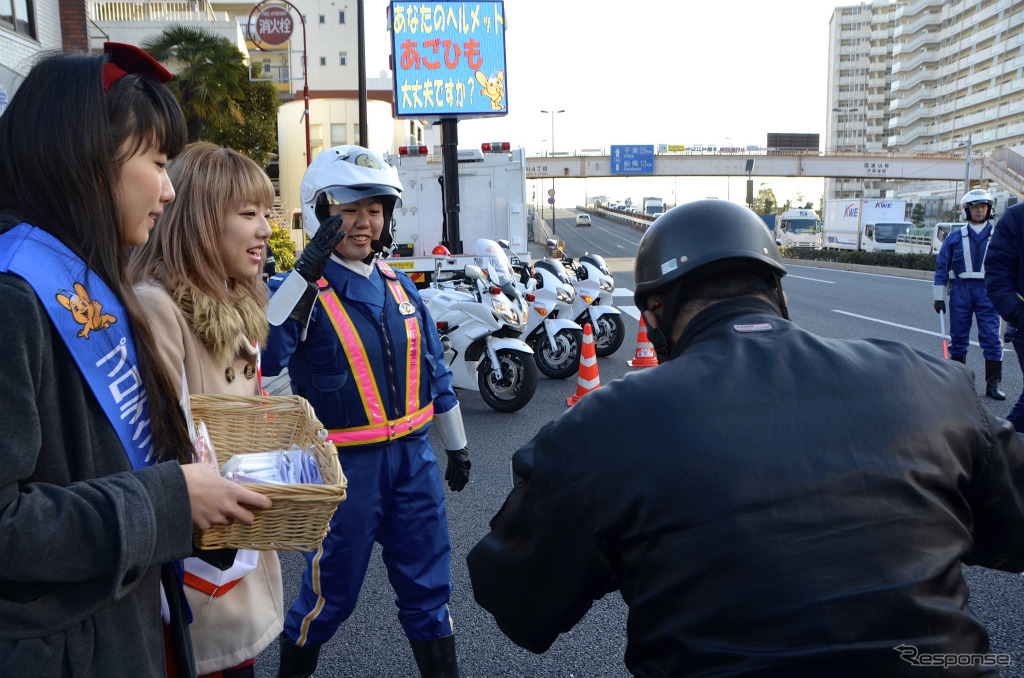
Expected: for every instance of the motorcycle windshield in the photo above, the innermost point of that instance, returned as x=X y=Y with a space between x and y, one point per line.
x=555 y=268
x=492 y=259
x=598 y=261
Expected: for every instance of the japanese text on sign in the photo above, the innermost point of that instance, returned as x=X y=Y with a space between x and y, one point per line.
x=632 y=159
x=449 y=58
x=876 y=168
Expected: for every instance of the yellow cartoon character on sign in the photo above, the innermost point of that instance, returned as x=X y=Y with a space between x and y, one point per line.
x=88 y=313
x=493 y=88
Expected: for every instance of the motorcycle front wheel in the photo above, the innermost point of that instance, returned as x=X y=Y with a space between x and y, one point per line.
x=608 y=335
x=561 y=360
x=517 y=384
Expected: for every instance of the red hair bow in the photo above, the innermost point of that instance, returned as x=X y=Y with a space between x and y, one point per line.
x=125 y=59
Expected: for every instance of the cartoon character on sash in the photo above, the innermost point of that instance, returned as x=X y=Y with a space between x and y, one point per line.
x=87 y=312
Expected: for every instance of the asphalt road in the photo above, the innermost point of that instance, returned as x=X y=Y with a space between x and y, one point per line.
x=833 y=303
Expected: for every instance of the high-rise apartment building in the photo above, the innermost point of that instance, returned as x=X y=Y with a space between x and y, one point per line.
x=860 y=76
x=943 y=76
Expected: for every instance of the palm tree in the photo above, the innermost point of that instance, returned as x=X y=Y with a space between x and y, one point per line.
x=208 y=71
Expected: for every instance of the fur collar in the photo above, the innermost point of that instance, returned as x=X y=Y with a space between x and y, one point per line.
x=226 y=328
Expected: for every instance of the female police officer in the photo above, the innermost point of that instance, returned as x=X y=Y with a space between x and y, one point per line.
x=362 y=348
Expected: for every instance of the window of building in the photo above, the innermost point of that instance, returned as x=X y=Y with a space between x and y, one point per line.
x=323 y=61
x=355 y=133
x=342 y=58
x=323 y=19
x=341 y=17
x=339 y=134
x=19 y=16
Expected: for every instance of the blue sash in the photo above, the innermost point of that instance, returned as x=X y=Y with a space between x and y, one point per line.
x=94 y=326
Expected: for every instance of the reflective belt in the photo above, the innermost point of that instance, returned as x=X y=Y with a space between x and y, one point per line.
x=379 y=429
x=380 y=433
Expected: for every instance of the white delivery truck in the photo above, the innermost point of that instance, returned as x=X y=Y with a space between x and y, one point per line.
x=864 y=224
x=798 y=228
x=653 y=207
x=924 y=240
x=492 y=198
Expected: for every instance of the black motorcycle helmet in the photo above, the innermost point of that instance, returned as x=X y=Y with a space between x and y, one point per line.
x=698 y=239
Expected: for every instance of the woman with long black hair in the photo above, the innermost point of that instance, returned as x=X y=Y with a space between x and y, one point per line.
x=97 y=495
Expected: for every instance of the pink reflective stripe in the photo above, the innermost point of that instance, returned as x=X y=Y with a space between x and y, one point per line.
x=361 y=435
x=412 y=372
x=357 y=357
x=397 y=291
x=412 y=334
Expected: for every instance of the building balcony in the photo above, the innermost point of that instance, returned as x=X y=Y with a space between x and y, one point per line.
x=154 y=12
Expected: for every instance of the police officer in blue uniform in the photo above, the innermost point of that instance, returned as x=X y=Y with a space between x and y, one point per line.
x=960 y=264
x=360 y=345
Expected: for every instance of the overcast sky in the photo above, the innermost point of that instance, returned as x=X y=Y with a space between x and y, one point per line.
x=723 y=72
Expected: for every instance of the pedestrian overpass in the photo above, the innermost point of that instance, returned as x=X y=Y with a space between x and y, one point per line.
x=1002 y=166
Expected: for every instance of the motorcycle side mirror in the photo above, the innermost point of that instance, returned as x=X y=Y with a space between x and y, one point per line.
x=474 y=272
x=504 y=244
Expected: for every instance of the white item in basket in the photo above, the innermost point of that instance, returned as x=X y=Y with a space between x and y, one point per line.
x=284 y=467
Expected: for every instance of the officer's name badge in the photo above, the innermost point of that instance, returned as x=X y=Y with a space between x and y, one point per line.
x=757 y=327
x=406 y=308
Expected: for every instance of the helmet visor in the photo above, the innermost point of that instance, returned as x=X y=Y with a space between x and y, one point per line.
x=344 y=195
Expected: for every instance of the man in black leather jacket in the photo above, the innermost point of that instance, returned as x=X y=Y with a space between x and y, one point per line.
x=767 y=501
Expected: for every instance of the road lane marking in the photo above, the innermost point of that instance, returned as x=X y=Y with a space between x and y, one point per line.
x=902 y=327
x=801 y=277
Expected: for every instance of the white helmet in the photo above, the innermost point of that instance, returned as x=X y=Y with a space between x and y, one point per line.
x=976 y=197
x=343 y=175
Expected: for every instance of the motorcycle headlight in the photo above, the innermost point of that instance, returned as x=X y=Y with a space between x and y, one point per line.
x=563 y=296
x=507 y=313
x=607 y=285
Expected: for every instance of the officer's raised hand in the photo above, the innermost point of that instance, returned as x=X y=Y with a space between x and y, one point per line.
x=457 y=473
x=940 y=306
x=315 y=255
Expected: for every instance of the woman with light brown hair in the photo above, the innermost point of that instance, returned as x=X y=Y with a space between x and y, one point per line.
x=199 y=279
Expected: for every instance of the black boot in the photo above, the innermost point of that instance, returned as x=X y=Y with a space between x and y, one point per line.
x=962 y=359
x=297 y=661
x=993 y=377
x=436 y=657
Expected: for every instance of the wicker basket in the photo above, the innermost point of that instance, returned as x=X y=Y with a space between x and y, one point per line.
x=300 y=515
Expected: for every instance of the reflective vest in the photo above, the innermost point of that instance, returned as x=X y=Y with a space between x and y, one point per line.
x=969 y=272
x=408 y=389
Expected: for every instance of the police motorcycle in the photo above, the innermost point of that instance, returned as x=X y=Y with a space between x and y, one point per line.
x=480 y=316
x=556 y=341
x=594 y=284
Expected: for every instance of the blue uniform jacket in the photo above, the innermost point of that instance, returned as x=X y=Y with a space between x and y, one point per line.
x=1004 y=265
x=320 y=371
x=951 y=255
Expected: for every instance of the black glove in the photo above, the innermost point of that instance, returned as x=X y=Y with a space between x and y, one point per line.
x=315 y=255
x=940 y=306
x=457 y=473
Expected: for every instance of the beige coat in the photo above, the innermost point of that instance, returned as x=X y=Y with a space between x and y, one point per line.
x=236 y=626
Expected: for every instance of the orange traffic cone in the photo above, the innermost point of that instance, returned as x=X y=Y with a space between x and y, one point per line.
x=644 y=349
x=588 y=379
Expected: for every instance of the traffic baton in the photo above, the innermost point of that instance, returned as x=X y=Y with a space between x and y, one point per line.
x=942 y=333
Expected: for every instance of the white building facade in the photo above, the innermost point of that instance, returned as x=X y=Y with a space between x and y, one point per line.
x=27 y=27
x=943 y=77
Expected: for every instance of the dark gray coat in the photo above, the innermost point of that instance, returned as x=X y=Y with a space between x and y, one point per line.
x=82 y=535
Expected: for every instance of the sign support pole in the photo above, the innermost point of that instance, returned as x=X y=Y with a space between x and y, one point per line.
x=450 y=173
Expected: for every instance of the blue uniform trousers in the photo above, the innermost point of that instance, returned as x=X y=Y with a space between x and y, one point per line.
x=395 y=498
x=967 y=299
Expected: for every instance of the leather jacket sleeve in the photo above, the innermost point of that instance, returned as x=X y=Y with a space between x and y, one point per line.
x=997 y=500
x=540 y=555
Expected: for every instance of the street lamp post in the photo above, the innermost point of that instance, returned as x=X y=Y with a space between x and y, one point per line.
x=553 y=112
